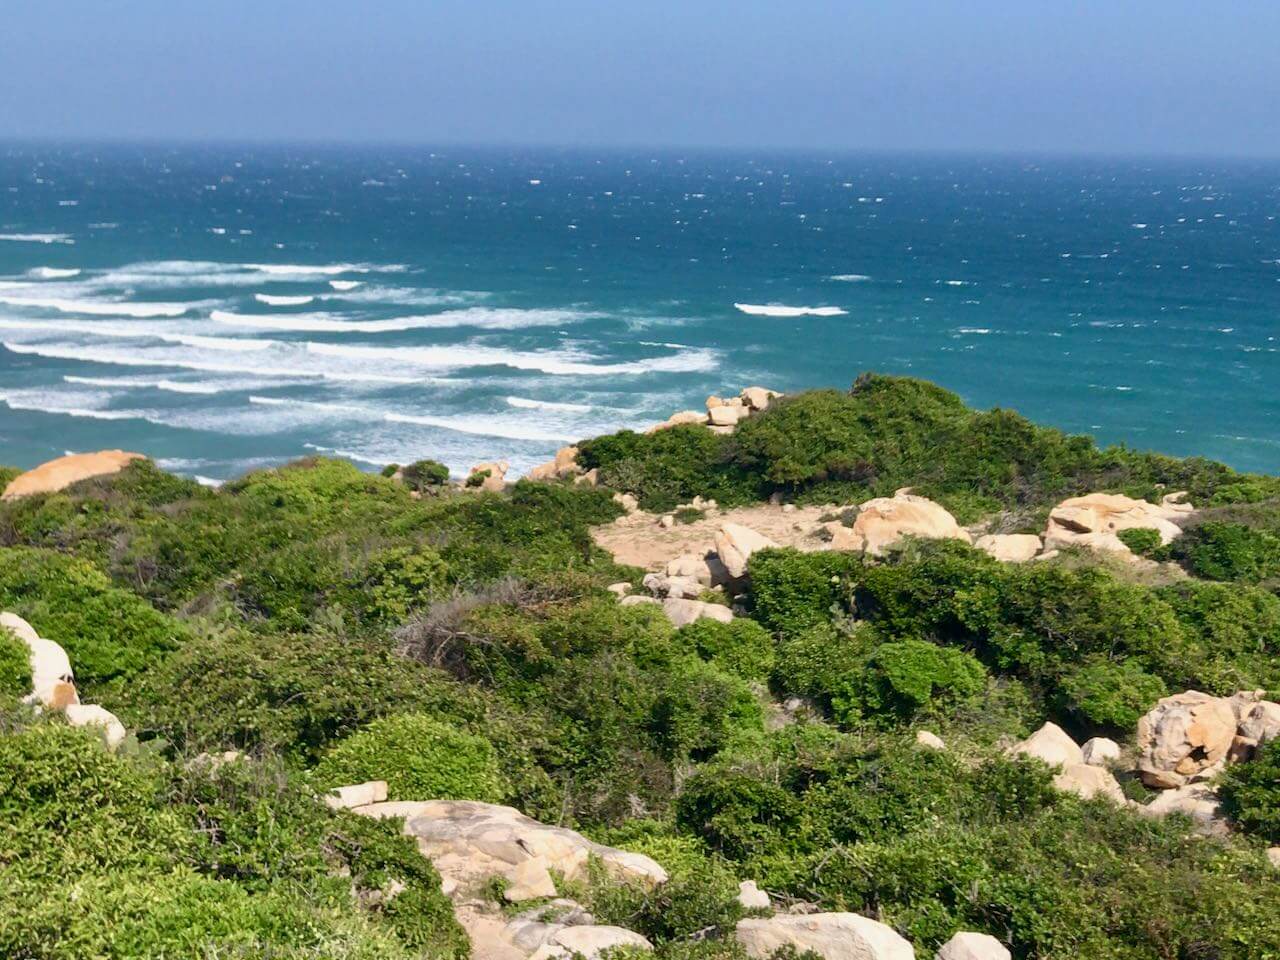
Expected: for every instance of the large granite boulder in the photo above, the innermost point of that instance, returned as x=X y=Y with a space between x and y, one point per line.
x=63 y=472
x=1052 y=745
x=1184 y=736
x=735 y=544
x=490 y=476
x=682 y=612
x=1198 y=801
x=884 y=521
x=1096 y=519
x=52 y=682
x=1010 y=547
x=832 y=936
x=1100 y=751
x=1088 y=781
x=470 y=842
x=92 y=715
x=973 y=946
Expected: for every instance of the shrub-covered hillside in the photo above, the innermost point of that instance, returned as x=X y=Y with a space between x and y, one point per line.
x=336 y=627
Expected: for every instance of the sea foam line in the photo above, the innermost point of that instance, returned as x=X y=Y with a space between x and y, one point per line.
x=101 y=308
x=779 y=310
x=38 y=237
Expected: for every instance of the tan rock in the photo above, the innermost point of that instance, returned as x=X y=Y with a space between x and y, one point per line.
x=680 y=419
x=726 y=416
x=1273 y=854
x=973 y=946
x=63 y=472
x=472 y=842
x=589 y=479
x=52 y=681
x=620 y=589
x=884 y=521
x=543 y=472
x=735 y=544
x=1088 y=782
x=92 y=715
x=832 y=936
x=1197 y=801
x=494 y=475
x=1262 y=723
x=639 y=600
x=1052 y=745
x=751 y=897
x=713 y=401
x=1100 y=751
x=566 y=461
x=1182 y=736
x=1009 y=547
x=356 y=795
x=929 y=740
x=588 y=942
x=682 y=612
x=627 y=502
x=690 y=565
x=1096 y=519
x=667 y=521
x=530 y=880
x=758 y=398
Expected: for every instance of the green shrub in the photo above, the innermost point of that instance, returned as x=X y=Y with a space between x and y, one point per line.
x=15 y=666
x=904 y=678
x=793 y=591
x=423 y=475
x=108 y=633
x=1112 y=695
x=7 y=475
x=1250 y=793
x=1229 y=551
x=420 y=757
x=1143 y=541
x=741 y=647
x=689 y=515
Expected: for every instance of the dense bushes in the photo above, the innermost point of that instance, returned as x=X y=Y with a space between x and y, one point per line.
x=1250 y=793
x=420 y=757
x=15 y=666
x=1218 y=550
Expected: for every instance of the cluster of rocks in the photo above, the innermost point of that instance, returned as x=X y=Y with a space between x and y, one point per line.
x=723 y=414
x=472 y=843
x=1183 y=742
x=53 y=684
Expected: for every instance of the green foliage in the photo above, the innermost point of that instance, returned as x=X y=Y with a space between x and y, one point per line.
x=7 y=475
x=478 y=477
x=108 y=633
x=793 y=591
x=1112 y=694
x=423 y=475
x=1229 y=551
x=904 y=678
x=741 y=647
x=1143 y=541
x=689 y=515
x=420 y=757
x=15 y=666
x=1250 y=793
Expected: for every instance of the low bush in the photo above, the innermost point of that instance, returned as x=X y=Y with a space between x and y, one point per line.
x=15 y=666
x=1229 y=551
x=425 y=475
x=741 y=647
x=1143 y=541
x=793 y=591
x=420 y=757
x=1250 y=793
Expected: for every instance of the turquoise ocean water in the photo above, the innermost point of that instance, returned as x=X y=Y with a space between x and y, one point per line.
x=224 y=308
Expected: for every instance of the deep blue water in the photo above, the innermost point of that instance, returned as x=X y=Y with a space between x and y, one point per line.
x=468 y=304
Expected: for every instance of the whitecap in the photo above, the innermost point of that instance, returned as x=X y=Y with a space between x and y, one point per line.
x=53 y=273
x=277 y=301
x=201 y=388
x=485 y=318
x=101 y=308
x=38 y=237
x=849 y=278
x=526 y=403
x=344 y=285
x=778 y=310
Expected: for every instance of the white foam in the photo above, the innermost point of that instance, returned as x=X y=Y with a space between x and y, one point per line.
x=136 y=331
x=779 y=310
x=460 y=356
x=53 y=273
x=956 y=283
x=171 y=386
x=38 y=237
x=485 y=318
x=206 y=481
x=100 y=308
x=977 y=331
x=344 y=285
x=317 y=270
x=275 y=301
x=524 y=403
x=849 y=277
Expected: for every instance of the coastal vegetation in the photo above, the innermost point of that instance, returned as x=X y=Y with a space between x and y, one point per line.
x=313 y=626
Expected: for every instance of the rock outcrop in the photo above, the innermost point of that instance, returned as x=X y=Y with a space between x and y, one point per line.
x=734 y=546
x=356 y=795
x=1096 y=519
x=1197 y=801
x=1052 y=745
x=832 y=936
x=751 y=897
x=884 y=521
x=1088 y=782
x=63 y=472
x=683 y=612
x=92 y=715
x=973 y=946
x=489 y=477
x=1010 y=547
x=470 y=842
x=52 y=681
x=1184 y=736
x=564 y=464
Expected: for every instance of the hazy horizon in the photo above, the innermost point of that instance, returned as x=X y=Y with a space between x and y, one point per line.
x=995 y=78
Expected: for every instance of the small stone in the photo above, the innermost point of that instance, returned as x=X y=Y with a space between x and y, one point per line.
x=356 y=795
x=752 y=897
x=1052 y=745
x=619 y=589
x=973 y=946
x=1273 y=854
x=667 y=521
x=929 y=740
x=1100 y=751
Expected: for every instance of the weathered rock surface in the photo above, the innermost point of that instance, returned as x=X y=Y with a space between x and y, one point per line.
x=92 y=715
x=751 y=897
x=727 y=416
x=1100 y=751
x=1095 y=519
x=1182 y=736
x=1009 y=547
x=691 y=565
x=493 y=476
x=356 y=795
x=930 y=740
x=758 y=398
x=735 y=544
x=832 y=936
x=1088 y=782
x=52 y=681
x=683 y=612
x=627 y=502
x=973 y=946
x=1052 y=745
x=530 y=880
x=1262 y=722
x=588 y=942
x=1273 y=854
x=63 y=472
x=470 y=842
x=884 y=521
x=1195 y=800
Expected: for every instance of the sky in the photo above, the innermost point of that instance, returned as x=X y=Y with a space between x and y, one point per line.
x=1122 y=76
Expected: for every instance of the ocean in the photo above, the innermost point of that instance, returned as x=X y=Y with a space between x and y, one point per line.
x=225 y=308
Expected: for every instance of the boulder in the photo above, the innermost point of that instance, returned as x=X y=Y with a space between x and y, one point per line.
x=589 y=479
x=758 y=398
x=1182 y=736
x=1095 y=519
x=1273 y=854
x=52 y=682
x=664 y=585
x=1262 y=722
x=638 y=600
x=973 y=946
x=543 y=471
x=832 y=936
x=470 y=842
x=627 y=502
x=356 y=795
x=735 y=544
x=682 y=612
x=63 y=472
x=726 y=416
x=92 y=715
x=1198 y=801
x=680 y=419
x=929 y=740
x=1010 y=547
x=588 y=942
x=620 y=589
x=1100 y=751
x=1088 y=782
x=884 y=521
x=530 y=880
x=1052 y=745
x=493 y=475
x=690 y=565
x=751 y=897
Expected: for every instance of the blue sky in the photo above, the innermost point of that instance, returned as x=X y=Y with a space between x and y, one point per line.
x=1130 y=76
